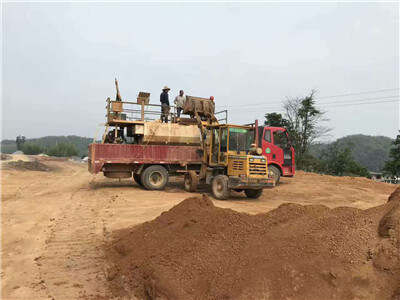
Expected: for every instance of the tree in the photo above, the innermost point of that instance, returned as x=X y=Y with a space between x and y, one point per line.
x=304 y=125
x=32 y=149
x=63 y=150
x=337 y=160
x=20 y=141
x=276 y=120
x=392 y=166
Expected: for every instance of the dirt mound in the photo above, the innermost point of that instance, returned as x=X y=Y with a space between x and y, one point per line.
x=27 y=166
x=6 y=157
x=198 y=251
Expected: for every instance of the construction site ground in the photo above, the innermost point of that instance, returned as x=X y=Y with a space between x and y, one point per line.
x=55 y=222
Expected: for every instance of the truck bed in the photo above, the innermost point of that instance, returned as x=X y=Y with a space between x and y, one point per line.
x=101 y=154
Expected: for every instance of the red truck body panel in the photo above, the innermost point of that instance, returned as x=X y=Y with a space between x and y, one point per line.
x=101 y=154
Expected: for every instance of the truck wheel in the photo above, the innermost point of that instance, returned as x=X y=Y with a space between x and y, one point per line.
x=276 y=172
x=191 y=180
x=137 y=179
x=254 y=194
x=154 y=177
x=220 y=187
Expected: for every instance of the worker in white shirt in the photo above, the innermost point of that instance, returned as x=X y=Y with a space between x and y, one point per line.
x=179 y=103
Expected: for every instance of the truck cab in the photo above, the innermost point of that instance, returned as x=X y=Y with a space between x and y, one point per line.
x=276 y=146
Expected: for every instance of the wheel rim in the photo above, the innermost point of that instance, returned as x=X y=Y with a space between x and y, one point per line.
x=156 y=178
x=188 y=182
x=275 y=175
x=219 y=187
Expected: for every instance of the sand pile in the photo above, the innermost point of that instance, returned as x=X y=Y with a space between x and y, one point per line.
x=27 y=166
x=198 y=251
x=6 y=157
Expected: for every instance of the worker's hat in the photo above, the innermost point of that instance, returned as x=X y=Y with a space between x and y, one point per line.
x=166 y=88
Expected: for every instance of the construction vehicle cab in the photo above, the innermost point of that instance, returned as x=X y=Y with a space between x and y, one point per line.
x=231 y=160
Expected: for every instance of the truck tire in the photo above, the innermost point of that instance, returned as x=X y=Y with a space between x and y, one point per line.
x=254 y=194
x=154 y=177
x=220 y=187
x=276 y=172
x=137 y=179
x=191 y=180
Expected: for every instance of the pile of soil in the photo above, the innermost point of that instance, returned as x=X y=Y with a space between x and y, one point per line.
x=6 y=157
x=27 y=165
x=199 y=251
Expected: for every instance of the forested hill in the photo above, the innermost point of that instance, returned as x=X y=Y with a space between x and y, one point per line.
x=82 y=143
x=369 y=151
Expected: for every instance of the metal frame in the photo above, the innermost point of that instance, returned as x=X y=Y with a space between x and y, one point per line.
x=142 y=110
x=225 y=111
x=220 y=127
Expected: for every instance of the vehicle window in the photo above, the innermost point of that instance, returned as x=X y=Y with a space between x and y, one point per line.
x=260 y=134
x=224 y=139
x=215 y=146
x=267 y=136
x=280 y=139
x=240 y=139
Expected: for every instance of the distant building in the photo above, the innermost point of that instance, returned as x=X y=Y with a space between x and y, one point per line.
x=376 y=176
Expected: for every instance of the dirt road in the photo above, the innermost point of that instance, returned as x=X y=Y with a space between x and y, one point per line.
x=53 y=223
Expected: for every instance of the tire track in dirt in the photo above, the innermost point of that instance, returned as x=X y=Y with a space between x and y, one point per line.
x=29 y=212
x=53 y=223
x=72 y=264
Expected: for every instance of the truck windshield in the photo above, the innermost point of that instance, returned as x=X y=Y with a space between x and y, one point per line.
x=280 y=139
x=240 y=139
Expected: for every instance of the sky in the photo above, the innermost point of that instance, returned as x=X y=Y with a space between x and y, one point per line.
x=59 y=61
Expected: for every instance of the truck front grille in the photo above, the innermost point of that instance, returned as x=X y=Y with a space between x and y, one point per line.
x=258 y=168
x=238 y=165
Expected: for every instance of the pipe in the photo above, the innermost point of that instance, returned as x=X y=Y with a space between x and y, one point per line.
x=256 y=128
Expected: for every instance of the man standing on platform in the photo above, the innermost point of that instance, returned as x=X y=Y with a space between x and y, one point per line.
x=179 y=103
x=164 y=104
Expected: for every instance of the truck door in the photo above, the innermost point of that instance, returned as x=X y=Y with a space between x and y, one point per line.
x=272 y=152
x=223 y=152
x=214 y=146
x=280 y=140
x=276 y=147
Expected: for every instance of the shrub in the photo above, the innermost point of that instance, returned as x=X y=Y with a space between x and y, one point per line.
x=32 y=149
x=63 y=150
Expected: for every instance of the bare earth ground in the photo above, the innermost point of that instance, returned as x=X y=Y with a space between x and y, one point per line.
x=54 y=223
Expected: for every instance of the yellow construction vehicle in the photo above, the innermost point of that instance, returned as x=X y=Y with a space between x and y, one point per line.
x=230 y=157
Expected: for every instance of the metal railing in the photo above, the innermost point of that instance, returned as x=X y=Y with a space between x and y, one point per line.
x=134 y=111
x=222 y=112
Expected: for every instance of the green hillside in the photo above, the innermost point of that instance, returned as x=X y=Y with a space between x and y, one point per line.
x=369 y=151
x=82 y=143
